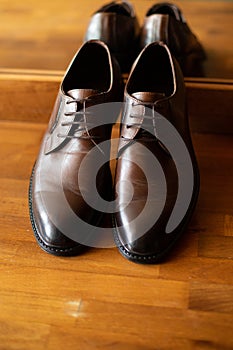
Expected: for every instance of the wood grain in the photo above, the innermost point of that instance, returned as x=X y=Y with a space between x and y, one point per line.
x=48 y=35
x=211 y=297
x=211 y=114
x=99 y=300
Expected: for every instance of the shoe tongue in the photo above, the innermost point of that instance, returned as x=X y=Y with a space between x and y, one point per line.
x=81 y=93
x=146 y=96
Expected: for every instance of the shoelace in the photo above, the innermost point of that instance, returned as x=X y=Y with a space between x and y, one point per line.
x=144 y=116
x=148 y=117
x=85 y=126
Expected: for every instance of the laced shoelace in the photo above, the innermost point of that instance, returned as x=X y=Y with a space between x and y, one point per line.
x=151 y=117
x=144 y=116
x=85 y=125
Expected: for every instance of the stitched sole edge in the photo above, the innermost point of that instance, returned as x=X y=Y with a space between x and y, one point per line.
x=136 y=258
x=144 y=259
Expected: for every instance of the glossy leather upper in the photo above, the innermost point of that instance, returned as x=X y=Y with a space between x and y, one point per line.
x=116 y=24
x=165 y=22
x=154 y=126
x=92 y=79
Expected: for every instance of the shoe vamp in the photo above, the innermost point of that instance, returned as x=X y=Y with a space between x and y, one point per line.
x=154 y=183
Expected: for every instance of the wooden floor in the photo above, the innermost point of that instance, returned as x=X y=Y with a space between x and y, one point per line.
x=99 y=300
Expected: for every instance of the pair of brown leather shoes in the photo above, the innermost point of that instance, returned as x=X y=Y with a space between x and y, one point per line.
x=117 y=25
x=156 y=178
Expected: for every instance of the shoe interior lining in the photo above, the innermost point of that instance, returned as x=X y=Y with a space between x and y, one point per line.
x=90 y=70
x=153 y=72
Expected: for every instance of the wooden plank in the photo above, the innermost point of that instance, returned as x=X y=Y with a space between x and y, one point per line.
x=201 y=269
x=29 y=96
x=92 y=286
x=47 y=41
x=115 y=341
x=216 y=247
x=210 y=105
x=99 y=299
x=211 y=297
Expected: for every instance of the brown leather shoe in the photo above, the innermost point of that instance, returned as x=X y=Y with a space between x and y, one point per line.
x=62 y=219
x=157 y=178
x=165 y=22
x=116 y=24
